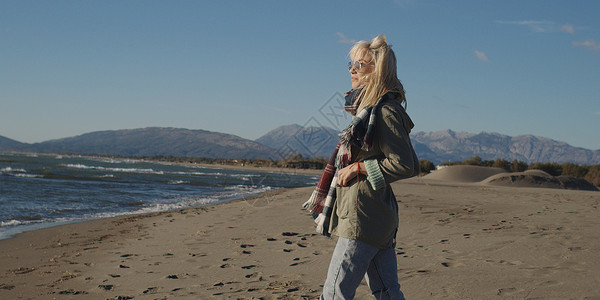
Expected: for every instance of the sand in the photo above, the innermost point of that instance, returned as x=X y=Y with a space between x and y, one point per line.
x=457 y=240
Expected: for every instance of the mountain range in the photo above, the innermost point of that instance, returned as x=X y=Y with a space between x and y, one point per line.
x=150 y=141
x=284 y=141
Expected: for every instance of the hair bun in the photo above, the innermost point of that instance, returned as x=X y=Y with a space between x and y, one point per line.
x=378 y=42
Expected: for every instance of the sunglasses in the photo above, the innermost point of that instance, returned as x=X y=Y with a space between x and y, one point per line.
x=356 y=65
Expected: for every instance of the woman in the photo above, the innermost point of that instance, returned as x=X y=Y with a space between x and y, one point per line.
x=353 y=199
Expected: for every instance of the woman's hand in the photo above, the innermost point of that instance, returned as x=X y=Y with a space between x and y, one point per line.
x=348 y=173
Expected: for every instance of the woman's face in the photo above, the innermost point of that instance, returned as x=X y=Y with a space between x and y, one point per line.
x=361 y=66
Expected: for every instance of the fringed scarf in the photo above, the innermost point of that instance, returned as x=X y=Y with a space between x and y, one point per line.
x=358 y=133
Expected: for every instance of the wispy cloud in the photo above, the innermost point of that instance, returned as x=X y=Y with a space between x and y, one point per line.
x=541 y=26
x=481 y=56
x=597 y=113
x=535 y=26
x=589 y=44
x=343 y=39
x=567 y=28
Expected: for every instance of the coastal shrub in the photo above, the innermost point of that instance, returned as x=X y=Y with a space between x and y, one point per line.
x=593 y=175
x=474 y=161
x=502 y=164
x=574 y=170
x=518 y=166
x=426 y=166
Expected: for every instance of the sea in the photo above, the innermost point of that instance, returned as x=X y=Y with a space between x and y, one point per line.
x=43 y=190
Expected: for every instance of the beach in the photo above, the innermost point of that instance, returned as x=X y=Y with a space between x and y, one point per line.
x=458 y=239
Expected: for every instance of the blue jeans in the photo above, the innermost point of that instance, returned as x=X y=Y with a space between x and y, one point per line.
x=351 y=261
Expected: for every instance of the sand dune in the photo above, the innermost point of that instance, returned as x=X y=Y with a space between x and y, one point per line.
x=499 y=177
x=463 y=173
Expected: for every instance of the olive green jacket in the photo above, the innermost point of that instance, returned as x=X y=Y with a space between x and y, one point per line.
x=368 y=210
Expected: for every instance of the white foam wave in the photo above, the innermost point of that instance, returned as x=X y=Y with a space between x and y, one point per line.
x=122 y=170
x=178 y=181
x=18 y=173
x=115 y=161
x=13 y=223
x=28 y=175
x=240 y=191
x=9 y=169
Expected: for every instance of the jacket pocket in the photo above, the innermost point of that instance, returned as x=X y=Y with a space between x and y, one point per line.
x=348 y=198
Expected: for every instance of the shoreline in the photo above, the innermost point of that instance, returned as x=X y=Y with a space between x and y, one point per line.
x=43 y=226
x=261 y=169
x=11 y=230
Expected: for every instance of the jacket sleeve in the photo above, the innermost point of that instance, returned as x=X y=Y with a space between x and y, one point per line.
x=400 y=160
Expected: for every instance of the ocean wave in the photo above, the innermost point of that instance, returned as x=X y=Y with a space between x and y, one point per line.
x=115 y=161
x=241 y=191
x=122 y=170
x=13 y=223
x=9 y=169
x=18 y=173
x=28 y=175
x=178 y=182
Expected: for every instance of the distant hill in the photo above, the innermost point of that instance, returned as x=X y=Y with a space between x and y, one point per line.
x=448 y=145
x=308 y=141
x=445 y=145
x=9 y=144
x=157 y=141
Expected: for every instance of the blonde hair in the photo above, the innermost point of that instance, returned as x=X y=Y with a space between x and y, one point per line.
x=384 y=78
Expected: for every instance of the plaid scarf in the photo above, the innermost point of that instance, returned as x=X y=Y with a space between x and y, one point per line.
x=359 y=133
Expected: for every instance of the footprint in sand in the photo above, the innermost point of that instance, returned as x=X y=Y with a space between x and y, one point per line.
x=150 y=290
x=451 y=263
x=245 y=246
x=106 y=287
x=506 y=291
x=255 y=275
x=249 y=267
x=71 y=292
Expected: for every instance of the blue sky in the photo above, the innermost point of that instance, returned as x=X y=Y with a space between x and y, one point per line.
x=246 y=67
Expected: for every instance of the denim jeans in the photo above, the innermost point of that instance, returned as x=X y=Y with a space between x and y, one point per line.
x=351 y=261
